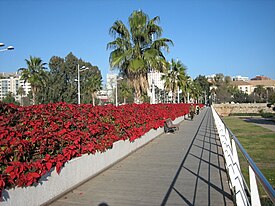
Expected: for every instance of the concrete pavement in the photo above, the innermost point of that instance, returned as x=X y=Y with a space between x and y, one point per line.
x=184 y=168
x=262 y=122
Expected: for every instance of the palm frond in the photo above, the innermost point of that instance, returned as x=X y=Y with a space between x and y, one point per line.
x=119 y=30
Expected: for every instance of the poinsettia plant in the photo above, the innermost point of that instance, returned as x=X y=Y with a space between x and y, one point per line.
x=35 y=139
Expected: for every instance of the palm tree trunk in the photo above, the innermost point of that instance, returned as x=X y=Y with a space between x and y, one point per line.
x=137 y=91
x=174 y=97
x=33 y=95
x=93 y=99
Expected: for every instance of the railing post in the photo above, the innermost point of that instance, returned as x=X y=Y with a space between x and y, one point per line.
x=234 y=170
x=255 y=198
x=241 y=197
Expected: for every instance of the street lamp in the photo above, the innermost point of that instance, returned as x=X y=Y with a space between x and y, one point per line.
x=78 y=80
x=8 y=48
x=117 y=79
x=178 y=94
x=204 y=92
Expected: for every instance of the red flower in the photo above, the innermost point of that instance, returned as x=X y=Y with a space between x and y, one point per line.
x=35 y=139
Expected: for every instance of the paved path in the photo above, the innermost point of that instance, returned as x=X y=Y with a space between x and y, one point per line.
x=185 y=168
x=262 y=122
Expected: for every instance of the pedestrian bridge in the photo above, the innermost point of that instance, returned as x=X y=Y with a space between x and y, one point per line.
x=184 y=168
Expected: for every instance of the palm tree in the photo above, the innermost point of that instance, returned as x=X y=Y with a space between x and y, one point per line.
x=93 y=85
x=125 y=90
x=166 y=77
x=187 y=89
x=138 y=49
x=195 y=90
x=35 y=74
x=175 y=77
x=20 y=91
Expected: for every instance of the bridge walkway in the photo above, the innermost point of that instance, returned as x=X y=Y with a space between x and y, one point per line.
x=184 y=168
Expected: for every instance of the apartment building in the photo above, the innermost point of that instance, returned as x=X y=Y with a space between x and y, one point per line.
x=155 y=78
x=111 y=85
x=243 y=86
x=11 y=82
x=249 y=86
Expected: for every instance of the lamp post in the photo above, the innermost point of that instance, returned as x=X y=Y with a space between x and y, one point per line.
x=6 y=49
x=78 y=80
x=117 y=79
x=204 y=92
x=178 y=94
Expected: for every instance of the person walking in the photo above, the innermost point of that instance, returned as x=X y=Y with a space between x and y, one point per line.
x=192 y=111
x=197 y=110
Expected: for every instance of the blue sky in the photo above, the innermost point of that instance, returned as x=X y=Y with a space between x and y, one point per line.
x=233 y=37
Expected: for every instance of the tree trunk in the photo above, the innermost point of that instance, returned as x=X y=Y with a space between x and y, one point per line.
x=33 y=95
x=137 y=91
x=93 y=98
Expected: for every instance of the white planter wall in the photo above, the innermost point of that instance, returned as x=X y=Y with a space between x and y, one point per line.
x=75 y=172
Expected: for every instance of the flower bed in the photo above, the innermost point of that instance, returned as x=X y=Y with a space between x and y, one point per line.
x=37 y=138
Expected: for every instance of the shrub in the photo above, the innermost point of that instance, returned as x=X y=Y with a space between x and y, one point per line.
x=34 y=139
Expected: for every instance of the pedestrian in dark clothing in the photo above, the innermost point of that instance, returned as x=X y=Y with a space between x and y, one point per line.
x=192 y=111
x=197 y=110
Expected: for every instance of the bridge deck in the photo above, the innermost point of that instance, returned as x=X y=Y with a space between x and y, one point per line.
x=185 y=168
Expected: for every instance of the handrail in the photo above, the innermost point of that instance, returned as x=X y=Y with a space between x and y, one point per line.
x=264 y=182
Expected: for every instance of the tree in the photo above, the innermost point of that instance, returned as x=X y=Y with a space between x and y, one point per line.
x=21 y=92
x=218 y=79
x=35 y=74
x=125 y=90
x=272 y=99
x=227 y=80
x=203 y=82
x=260 y=91
x=240 y=97
x=175 y=77
x=187 y=89
x=93 y=85
x=223 y=94
x=204 y=85
x=138 y=50
x=9 y=98
x=62 y=80
x=195 y=90
x=269 y=93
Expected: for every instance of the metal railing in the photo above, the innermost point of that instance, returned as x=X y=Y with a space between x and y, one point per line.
x=243 y=195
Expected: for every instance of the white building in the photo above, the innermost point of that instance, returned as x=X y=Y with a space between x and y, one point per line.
x=240 y=78
x=111 y=81
x=102 y=96
x=11 y=82
x=154 y=78
x=111 y=85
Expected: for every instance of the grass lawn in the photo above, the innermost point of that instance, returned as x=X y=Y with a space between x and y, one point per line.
x=259 y=143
